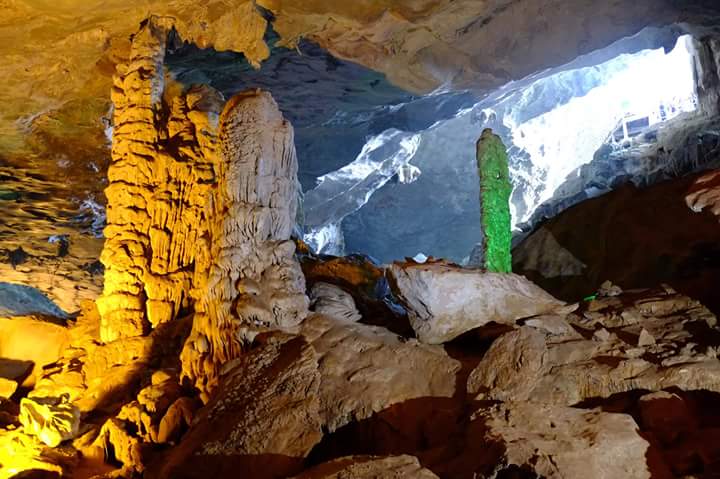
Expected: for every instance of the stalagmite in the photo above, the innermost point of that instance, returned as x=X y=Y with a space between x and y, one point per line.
x=495 y=189
x=247 y=275
x=201 y=206
x=163 y=167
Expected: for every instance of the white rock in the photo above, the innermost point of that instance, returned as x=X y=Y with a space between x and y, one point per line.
x=445 y=301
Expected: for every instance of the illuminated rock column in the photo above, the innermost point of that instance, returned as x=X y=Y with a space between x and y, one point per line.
x=249 y=278
x=162 y=168
x=495 y=190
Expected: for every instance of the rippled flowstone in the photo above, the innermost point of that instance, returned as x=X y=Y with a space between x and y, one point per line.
x=648 y=340
x=445 y=301
x=52 y=420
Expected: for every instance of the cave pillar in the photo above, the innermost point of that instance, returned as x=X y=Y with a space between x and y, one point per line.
x=163 y=166
x=136 y=96
x=249 y=277
x=202 y=200
x=495 y=190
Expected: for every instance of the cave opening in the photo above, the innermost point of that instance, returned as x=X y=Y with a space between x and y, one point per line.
x=571 y=135
x=376 y=162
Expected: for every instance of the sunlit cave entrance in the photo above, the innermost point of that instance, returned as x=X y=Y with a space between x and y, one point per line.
x=572 y=135
x=392 y=175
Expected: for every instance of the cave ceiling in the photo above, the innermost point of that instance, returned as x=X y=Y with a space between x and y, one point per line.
x=57 y=58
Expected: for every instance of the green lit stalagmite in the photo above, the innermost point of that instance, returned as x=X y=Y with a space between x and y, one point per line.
x=495 y=189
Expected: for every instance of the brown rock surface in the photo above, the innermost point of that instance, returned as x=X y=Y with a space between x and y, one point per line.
x=68 y=51
x=637 y=238
x=445 y=301
x=601 y=355
x=366 y=369
x=262 y=421
x=366 y=467
x=559 y=442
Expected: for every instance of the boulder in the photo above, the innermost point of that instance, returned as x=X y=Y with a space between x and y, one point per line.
x=445 y=301
x=365 y=467
x=333 y=301
x=365 y=369
x=51 y=420
x=562 y=442
x=262 y=421
x=28 y=339
x=605 y=351
x=7 y=388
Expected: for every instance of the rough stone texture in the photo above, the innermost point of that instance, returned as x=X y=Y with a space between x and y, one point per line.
x=650 y=340
x=365 y=467
x=263 y=419
x=333 y=301
x=562 y=442
x=161 y=172
x=495 y=189
x=445 y=301
x=636 y=238
x=704 y=194
x=420 y=44
x=366 y=369
x=51 y=420
x=100 y=376
x=247 y=275
x=201 y=207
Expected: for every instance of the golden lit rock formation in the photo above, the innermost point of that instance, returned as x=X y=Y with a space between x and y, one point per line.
x=201 y=359
x=162 y=170
x=201 y=205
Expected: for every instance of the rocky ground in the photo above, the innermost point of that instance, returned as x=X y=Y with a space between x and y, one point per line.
x=510 y=383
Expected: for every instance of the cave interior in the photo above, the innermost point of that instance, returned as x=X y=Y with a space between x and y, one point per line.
x=412 y=238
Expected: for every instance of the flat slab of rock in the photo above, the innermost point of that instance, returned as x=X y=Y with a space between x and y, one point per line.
x=563 y=442
x=365 y=467
x=445 y=301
